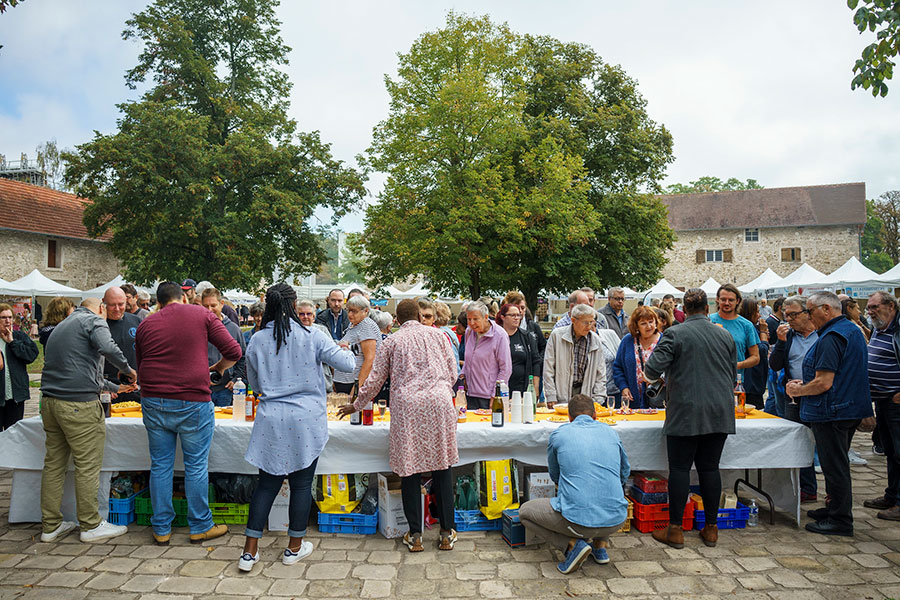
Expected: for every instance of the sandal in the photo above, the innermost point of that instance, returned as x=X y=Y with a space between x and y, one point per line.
x=414 y=543
x=448 y=540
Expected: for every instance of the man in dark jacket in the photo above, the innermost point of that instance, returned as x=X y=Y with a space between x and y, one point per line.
x=335 y=317
x=614 y=311
x=17 y=351
x=794 y=339
x=123 y=328
x=835 y=400
x=211 y=299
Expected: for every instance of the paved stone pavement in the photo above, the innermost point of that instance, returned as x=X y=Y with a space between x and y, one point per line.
x=771 y=562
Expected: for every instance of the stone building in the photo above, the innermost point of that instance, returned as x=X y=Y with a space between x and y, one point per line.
x=734 y=236
x=41 y=228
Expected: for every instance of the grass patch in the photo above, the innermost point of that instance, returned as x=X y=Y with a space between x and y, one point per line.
x=35 y=384
x=38 y=365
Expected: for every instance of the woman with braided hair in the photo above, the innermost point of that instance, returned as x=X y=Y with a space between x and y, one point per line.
x=284 y=365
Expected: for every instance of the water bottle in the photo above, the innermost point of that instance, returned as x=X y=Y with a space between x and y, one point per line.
x=753 y=519
x=238 y=400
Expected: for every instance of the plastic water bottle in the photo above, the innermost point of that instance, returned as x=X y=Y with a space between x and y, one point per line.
x=753 y=518
x=238 y=400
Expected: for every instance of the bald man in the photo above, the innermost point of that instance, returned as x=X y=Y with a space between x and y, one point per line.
x=122 y=327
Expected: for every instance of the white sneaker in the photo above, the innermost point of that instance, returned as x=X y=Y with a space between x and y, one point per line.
x=290 y=557
x=856 y=459
x=60 y=532
x=247 y=560
x=103 y=531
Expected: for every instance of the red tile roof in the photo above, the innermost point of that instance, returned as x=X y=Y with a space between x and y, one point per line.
x=837 y=204
x=26 y=207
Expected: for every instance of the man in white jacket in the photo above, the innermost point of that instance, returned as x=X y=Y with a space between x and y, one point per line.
x=574 y=361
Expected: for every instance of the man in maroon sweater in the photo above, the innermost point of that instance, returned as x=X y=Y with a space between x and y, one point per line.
x=171 y=350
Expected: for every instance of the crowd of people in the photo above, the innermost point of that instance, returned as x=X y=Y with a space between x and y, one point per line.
x=816 y=361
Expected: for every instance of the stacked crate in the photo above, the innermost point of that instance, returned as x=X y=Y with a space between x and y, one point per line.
x=651 y=504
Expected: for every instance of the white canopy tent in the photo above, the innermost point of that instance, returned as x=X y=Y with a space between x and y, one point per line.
x=765 y=280
x=8 y=289
x=803 y=277
x=240 y=297
x=850 y=272
x=711 y=287
x=891 y=276
x=98 y=291
x=354 y=286
x=661 y=289
x=36 y=284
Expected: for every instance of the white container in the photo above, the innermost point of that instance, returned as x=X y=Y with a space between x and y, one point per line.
x=504 y=397
x=527 y=408
x=540 y=485
x=391 y=518
x=516 y=408
x=239 y=401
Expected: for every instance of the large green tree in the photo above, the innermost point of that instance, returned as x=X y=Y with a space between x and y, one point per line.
x=709 y=183
x=876 y=64
x=206 y=175
x=872 y=241
x=514 y=162
x=887 y=209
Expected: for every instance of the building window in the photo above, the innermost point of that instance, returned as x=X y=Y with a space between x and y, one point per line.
x=751 y=235
x=790 y=255
x=54 y=254
x=713 y=256
x=725 y=255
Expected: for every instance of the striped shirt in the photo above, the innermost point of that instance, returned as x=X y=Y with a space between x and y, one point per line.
x=581 y=358
x=884 y=372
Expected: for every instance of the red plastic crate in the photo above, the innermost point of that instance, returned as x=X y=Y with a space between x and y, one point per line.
x=647 y=526
x=650 y=483
x=660 y=512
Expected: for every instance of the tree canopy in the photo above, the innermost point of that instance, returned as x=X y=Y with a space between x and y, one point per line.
x=514 y=162
x=206 y=176
x=872 y=241
x=713 y=184
x=876 y=64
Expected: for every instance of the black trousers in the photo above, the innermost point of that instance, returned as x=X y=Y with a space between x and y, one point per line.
x=11 y=412
x=833 y=443
x=474 y=402
x=888 y=414
x=342 y=388
x=704 y=451
x=411 y=494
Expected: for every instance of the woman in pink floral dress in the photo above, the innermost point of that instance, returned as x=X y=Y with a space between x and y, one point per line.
x=420 y=363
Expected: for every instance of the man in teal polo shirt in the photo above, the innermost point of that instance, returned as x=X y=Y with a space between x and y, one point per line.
x=746 y=338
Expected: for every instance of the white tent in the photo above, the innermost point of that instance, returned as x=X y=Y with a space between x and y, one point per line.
x=98 y=291
x=850 y=272
x=393 y=292
x=662 y=288
x=711 y=287
x=891 y=276
x=765 y=280
x=36 y=284
x=8 y=289
x=354 y=286
x=630 y=293
x=804 y=276
x=240 y=297
x=418 y=290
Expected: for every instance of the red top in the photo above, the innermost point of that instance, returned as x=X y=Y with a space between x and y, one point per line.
x=171 y=349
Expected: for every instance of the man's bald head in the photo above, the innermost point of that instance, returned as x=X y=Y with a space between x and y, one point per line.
x=116 y=303
x=92 y=304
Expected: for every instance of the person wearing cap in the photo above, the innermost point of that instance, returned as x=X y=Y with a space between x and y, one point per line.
x=187 y=288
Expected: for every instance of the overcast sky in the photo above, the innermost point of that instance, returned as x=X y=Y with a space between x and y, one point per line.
x=756 y=89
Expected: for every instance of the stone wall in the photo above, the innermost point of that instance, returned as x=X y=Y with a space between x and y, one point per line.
x=85 y=264
x=824 y=248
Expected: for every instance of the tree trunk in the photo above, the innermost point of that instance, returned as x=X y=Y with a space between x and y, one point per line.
x=531 y=298
x=474 y=284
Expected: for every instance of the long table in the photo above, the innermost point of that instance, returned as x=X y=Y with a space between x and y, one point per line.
x=777 y=446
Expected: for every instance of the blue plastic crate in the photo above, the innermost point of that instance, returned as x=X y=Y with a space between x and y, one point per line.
x=513 y=530
x=642 y=497
x=348 y=523
x=728 y=518
x=122 y=505
x=473 y=520
x=120 y=518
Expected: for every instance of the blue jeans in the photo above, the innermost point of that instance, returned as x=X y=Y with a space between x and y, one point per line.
x=222 y=397
x=298 y=509
x=165 y=420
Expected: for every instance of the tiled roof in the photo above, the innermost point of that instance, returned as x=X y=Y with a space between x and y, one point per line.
x=838 y=204
x=26 y=207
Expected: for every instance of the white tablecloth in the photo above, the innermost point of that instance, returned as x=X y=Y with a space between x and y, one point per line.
x=758 y=443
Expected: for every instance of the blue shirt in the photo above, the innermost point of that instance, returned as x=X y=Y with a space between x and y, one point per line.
x=744 y=334
x=588 y=462
x=799 y=347
x=884 y=373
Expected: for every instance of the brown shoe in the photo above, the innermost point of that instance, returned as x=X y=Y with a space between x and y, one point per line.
x=413 y=542
x=673 y=536
x=710 y=535
x=448 y=540
x=213 y=533
x=891 y=514
x=880 y=503
x=162 y=540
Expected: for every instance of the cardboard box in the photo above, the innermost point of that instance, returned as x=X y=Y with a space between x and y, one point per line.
x=391 y=519
x=539 y=485
x=284 y=496
x=278 y=518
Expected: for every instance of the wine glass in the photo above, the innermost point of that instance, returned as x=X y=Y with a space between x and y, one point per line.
x=382 y=406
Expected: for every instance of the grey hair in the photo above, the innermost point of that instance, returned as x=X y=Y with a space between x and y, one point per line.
x=581 y=310
x=587 y=290
x=257 y=308
x=142 y=295
x=477 y=306
x=888 y=299
x=827 y=298
x=202 y=287
x=613 y=290
x=796 y=300
x=358 y=302
x=383 y=319
x=305 y=302
x=573 y=297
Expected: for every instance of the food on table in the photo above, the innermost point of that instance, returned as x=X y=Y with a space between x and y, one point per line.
x=561 y=409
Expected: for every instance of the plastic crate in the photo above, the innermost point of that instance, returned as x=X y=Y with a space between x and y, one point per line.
x=649 y=517
x=473 y=520
x=121 y=518
x=348 y=523
x=229 y=512
x=512 y=528
x=642 y=497
x=122 y=505
x=627 y=526
x=651 y=483
x=728 y=518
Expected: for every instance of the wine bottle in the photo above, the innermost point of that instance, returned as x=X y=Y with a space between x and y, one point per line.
x=497 y=408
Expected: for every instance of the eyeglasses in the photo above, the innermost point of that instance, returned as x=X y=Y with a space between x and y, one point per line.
x=10 y=318
x=619 y=299
x=514 y=316
x=790 y=316
x=874 y=307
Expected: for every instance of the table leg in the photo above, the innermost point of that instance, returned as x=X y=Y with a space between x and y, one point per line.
x=758 y=489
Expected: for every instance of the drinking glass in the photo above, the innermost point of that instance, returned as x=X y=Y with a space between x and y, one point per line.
x=382 y=406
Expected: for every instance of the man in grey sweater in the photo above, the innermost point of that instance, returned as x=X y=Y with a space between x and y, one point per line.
x=73 y=419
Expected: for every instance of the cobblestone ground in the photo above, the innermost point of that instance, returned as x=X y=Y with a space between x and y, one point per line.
x=773 y=562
